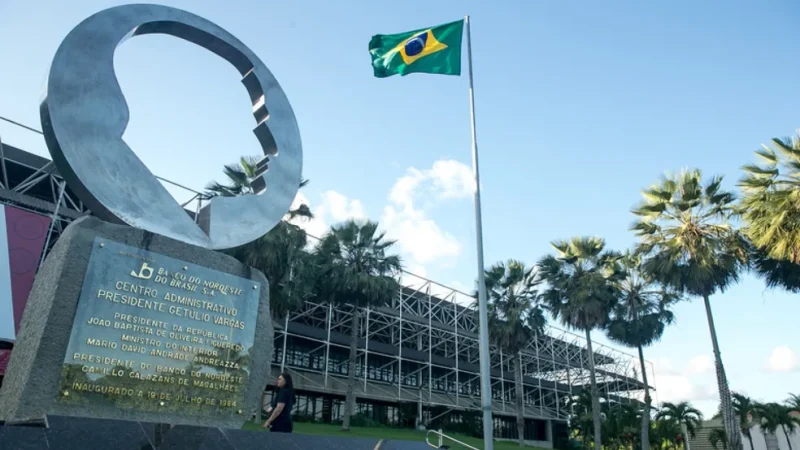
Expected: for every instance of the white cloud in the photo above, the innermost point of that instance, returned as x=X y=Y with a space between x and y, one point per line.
x=782 y=359
x=419 y=237
x=420 y=240
x=700 y=364
x=446 y=179
x=677 y=385
x=664 y=366
x=339 y=208
x=452 y=179
x=314 y=227
x=460 y=286
x=416 y=269
x=674 y=388
x=712 y=391
x=447 y=293
x=464 y=300
x=463 y=296
x=334 y=207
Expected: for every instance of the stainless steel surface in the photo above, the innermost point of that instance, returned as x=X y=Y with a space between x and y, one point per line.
x=483 y=315
x=84 y=115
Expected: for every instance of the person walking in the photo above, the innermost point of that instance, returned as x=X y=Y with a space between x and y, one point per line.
x=280 y=419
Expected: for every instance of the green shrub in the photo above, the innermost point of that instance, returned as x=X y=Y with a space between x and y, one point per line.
x=566 y=443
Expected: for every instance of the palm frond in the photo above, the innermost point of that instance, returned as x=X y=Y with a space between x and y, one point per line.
x=683 y=413
x=687 y=243
x=718 y=437
x=356 y=267
x=770 y=206
x=581 y=282
x=516 y=311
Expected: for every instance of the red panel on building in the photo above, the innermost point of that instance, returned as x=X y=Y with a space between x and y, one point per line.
x=5 y=355
x=22 y=239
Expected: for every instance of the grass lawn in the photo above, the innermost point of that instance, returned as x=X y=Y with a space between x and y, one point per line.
x=384 y=433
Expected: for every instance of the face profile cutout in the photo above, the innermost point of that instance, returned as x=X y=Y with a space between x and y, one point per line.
x=84 y=115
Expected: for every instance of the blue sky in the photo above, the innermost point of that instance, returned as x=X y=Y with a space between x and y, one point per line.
x=579 y=106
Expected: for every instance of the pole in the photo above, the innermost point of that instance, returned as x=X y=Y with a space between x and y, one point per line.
x=285 y=338
x=483 y=316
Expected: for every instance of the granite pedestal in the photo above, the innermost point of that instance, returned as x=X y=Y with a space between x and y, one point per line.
x=125 y=324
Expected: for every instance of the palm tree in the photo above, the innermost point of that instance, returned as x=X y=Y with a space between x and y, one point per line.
x=280 y=254
x=580 y=416
x=241 y=176
x=793 y=402
x=639 y=320
x=775 y=272
x=240 y=182
x=773 y=416
x=355 y=269
x=516 y=317
x=770 y=199
x=769 y=207
x=582 y=288
x=717 y=436
x=665 y=433
x=768 y=422
x=690 y=245
x=744 y=410
x=619 y=425
x=689 y=418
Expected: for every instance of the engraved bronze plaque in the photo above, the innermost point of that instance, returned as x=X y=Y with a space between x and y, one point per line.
x=153 y=333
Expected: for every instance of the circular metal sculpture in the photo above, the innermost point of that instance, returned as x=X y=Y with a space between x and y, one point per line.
x=84 y=115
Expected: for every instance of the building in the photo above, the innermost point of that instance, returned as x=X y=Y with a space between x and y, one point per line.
x=417 y=355
x=760 y=439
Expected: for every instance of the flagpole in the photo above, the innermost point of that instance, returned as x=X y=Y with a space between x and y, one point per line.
x=483 y=316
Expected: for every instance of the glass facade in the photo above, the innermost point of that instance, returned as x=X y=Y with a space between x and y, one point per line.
x=302 y=354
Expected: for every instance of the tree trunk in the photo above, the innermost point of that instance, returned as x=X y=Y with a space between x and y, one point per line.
x=598 y=436
x=750 y=439
x=771 y=440
x=519 y=397
x=647 y=400
x=350 y=398
x=788 y=441
x=732 y=429
x=685 y=432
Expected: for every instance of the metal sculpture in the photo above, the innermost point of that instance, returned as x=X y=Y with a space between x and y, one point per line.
x=84 y=115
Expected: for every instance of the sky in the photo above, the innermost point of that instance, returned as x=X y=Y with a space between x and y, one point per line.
x=579 y=106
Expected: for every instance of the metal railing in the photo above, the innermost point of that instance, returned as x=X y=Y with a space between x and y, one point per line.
x=441 y=438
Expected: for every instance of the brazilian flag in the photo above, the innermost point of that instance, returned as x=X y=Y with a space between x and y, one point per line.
x=429 y=50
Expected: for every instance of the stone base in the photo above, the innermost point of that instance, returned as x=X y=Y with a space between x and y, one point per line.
x=72 y=433
x=31 y=385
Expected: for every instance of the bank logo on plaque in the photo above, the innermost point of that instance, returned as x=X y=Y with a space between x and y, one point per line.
x=152 y=335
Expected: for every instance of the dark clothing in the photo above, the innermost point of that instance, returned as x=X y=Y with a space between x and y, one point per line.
x=283 y=423
x=281 y=429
